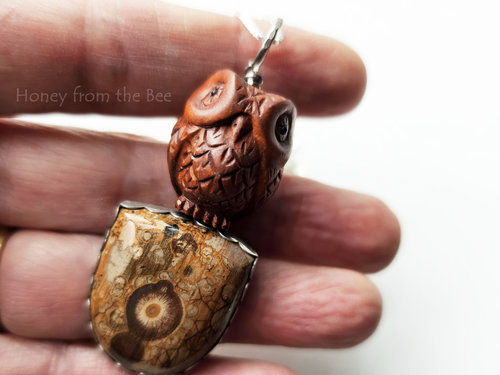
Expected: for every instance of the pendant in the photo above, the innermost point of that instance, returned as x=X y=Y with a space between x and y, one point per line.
x=168 y=282
x=165 y=289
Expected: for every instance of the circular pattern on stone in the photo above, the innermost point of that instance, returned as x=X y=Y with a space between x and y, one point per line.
x=154 y=311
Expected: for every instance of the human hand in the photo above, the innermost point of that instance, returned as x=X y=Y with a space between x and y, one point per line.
x=59 y=187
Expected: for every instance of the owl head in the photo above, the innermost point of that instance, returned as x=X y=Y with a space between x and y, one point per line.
x=226 y=95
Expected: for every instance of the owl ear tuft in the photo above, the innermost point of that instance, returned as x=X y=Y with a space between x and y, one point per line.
x=216 y=99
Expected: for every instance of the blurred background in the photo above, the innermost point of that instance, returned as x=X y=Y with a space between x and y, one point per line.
x=426 y=140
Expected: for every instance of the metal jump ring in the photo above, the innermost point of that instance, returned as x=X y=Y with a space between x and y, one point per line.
x=252 y=75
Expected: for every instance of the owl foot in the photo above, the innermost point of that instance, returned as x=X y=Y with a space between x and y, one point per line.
x=217 y=221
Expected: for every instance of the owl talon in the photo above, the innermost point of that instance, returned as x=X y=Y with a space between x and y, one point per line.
x=220 y=222
x=198 y=212
x=216 y=221
x=184 y=205
x=207 y=218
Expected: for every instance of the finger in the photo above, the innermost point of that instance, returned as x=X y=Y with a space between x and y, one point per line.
x=215 y=365
x=72 y=180
x=97 y=48
x=44 y=283
x=307 y=306
x=313 y=223
x=55 y=358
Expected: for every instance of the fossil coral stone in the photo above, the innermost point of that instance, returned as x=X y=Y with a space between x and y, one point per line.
x=165 y=290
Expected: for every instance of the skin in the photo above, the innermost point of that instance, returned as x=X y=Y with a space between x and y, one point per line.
x=59 y=187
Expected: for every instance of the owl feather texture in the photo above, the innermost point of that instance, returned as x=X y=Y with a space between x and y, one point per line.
x=227 y=151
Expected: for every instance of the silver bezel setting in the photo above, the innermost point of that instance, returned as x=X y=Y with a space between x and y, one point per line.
x=132 y=205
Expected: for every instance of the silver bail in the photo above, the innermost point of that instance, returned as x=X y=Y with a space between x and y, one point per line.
x=252 y=75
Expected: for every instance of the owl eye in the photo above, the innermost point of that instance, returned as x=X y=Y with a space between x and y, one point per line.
x=282 y=129
x=213 y=95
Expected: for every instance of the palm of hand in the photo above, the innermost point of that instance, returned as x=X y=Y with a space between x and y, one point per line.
x=59 y=187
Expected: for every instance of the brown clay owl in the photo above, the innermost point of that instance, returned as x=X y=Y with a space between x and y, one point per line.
x=228 y=150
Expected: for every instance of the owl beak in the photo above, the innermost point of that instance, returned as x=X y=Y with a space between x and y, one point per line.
x=261 y=103
x=271 y=101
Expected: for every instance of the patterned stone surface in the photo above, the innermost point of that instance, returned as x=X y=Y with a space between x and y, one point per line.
x=165 y=290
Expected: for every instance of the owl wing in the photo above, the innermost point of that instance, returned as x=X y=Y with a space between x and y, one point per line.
x=179 y=150
x=223 y=165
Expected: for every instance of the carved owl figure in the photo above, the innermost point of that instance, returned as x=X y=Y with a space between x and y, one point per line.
x=228 y=149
